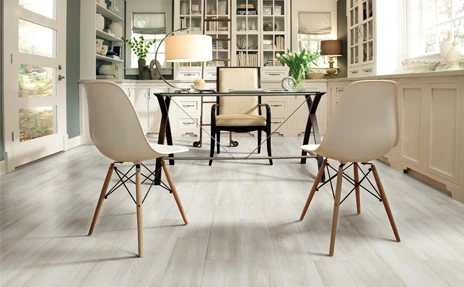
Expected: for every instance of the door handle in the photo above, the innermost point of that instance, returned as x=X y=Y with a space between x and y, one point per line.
x=60 y=77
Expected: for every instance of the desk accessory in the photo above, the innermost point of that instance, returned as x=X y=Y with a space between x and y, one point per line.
x=288 y=83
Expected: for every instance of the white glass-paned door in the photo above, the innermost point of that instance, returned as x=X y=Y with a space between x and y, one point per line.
x=34 y=79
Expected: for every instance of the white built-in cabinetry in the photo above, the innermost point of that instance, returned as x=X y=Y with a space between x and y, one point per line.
x=259 y=29
x=90 y=61
x=431 y=114
x=375 y=30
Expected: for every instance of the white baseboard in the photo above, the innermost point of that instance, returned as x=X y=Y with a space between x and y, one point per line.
x=2 y=167
x=72 y=143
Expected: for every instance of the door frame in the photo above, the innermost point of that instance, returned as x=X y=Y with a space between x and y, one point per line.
x=18 y=153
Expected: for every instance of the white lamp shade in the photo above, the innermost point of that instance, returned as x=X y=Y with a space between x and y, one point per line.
x=189 y=48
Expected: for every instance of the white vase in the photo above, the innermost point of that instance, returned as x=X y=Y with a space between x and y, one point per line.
x=98 y=46
x=446 y=46
x=99 y=21
x=116 y=28
x=454 y=57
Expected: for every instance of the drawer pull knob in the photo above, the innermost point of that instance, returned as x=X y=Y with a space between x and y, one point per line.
x=274 y=74
x=188 y=106
x=188 y=123
x=275 y=105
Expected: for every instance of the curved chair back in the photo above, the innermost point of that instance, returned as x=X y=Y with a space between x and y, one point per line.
x=365 y=123
x=114 y=125
x=238 y=78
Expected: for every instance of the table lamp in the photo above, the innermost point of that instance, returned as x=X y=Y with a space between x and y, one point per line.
x=185 y=48
x=331 y=48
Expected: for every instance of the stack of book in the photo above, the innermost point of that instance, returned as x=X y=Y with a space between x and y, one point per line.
x=244 y=59
x=244 y=6
x=280 y=43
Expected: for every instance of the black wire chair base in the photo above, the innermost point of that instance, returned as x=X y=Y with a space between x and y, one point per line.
x=124 y=178
x=350 y=180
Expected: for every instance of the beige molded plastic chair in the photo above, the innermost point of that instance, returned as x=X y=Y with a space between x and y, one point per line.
x=364 y=127
x=116 y=131
x=239 y=113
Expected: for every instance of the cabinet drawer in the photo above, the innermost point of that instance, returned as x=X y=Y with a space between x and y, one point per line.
x=187 y=123
x=339 y=90
x=210 y=75
x=355 y=73
x=188 y=106
x=320 y=87
x=274 y=75
x=277 y=106
x=188 y=75
x=276 y=122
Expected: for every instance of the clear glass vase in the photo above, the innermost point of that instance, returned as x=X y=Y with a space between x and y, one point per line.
x=298 y=75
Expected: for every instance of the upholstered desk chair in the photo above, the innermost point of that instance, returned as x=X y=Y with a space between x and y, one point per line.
x=116 y=131
x=236 y=113
x=364 y=127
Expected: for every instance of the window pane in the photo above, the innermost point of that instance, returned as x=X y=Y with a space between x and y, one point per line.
x=36 y=81
x=36 y=40
x=430 y=13
x=444 y=10
x=458 y=8
x=459 y=31
x=430 y=40
x=42 y=7
x=36 y=122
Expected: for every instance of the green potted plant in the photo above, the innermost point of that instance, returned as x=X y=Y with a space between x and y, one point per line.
x=299 y=64
x=140 y=48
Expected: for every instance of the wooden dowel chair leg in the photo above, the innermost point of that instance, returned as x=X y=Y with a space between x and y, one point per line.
x=313 y=189
x=174 y=191
x=356 y=180
x=138 y=200
x=102 y=197
x=385 y=203
x=338 y=194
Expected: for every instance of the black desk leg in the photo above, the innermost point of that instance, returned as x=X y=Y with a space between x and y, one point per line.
x=312 y=124
x=307 y=133
x=168 y=129
x=164 y=127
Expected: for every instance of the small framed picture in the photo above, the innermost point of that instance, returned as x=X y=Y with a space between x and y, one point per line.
x=277 y=10
x=241 y=12
x=267 y=10
x=252 y=12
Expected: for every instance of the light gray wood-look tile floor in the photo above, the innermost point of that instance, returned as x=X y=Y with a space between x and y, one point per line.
x=243 y=230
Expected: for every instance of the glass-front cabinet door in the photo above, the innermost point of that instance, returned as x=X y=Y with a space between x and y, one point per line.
x=361 y=33
x=217 y=24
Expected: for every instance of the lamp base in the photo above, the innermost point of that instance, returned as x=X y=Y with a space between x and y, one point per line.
x=331 y=70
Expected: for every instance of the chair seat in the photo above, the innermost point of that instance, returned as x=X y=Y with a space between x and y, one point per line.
x=241 y=120
x=168 y=149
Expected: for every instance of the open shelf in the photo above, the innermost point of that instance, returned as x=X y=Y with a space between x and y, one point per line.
x=107 y=13
x=104 y=58
x=107 y=36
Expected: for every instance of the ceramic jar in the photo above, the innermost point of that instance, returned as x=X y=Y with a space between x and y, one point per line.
x=104 y=50
x=446 y=46
x=116 y=28
x=99 y=22
x=454 y=56
x=98 y=47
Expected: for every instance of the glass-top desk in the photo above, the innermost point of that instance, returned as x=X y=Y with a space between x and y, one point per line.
x=312 y=102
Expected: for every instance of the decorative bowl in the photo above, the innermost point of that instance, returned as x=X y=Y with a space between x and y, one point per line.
x=419 y=66
x=315 y=76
